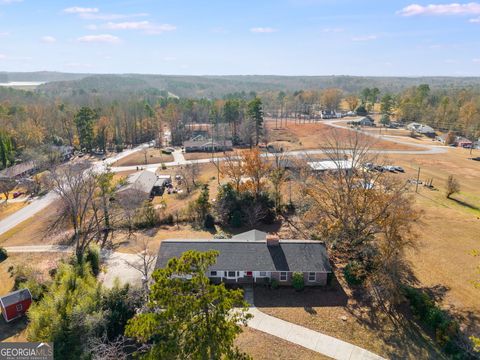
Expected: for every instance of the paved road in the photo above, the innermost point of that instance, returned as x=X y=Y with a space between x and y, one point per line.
x=38 y=204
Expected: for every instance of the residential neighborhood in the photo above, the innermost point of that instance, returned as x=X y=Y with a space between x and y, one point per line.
x=240 y=180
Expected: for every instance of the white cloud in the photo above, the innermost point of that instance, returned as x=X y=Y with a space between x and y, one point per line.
x=146 y=26
x=477 y=60
x=333 y=30
x=3 y=56
x=263 y=30
x=80 y=10
x=91 y=27
x=475 y=20
x=365 y=38
x=102 y=38
x=441 y=9
x=107 y=17
x=4 y=33
x=48 y=39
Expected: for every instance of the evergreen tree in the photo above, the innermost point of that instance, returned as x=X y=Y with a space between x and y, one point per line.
x=84 y=120
x=190 y=319
x=255 y=114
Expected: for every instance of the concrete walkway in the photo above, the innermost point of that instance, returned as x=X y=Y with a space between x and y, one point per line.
x=313 y=340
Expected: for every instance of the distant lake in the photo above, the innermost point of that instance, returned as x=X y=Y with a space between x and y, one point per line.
x=22 y=83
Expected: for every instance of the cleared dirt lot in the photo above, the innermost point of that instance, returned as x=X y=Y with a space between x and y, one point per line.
x=314 y=135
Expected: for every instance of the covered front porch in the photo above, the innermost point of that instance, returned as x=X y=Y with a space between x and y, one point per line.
x=240 y=277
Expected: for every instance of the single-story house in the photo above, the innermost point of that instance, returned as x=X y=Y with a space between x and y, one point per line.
x=421 y=129
x=330 y=114
x=207 y=145
x=322 y=166
x=365 y=121
x=15 y=304
x=21 y=170
x=461 y=141
x=145 y=183
x=251 y=259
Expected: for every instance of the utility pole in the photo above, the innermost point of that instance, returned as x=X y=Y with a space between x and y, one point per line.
x=418 y=179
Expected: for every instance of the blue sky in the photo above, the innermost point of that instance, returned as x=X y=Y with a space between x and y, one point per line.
x=284 y=37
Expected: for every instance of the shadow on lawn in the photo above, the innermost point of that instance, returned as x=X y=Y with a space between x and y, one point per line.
x=13 y=328
x=310 y=297
x=466 y=204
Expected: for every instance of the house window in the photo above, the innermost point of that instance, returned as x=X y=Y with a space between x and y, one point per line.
x=231 y=274
x=263 y=274
x=311 y=276
x=213 y=273
x=19 y=307
x=283 y=276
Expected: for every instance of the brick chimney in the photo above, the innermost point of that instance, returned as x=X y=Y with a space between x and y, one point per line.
x=273 y=240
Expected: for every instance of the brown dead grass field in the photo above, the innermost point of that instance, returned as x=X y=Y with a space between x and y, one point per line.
x=40 y=263
x=154 y=156
x=32 y=231
x=8 y=208
x=262 y=346
x=314 y=136
x=324 y=310
x=449 y=229
x=205 y=155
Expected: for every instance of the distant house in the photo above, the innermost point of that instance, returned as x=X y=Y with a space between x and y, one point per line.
x=145 y=183
x=329 y=114
x=463 y=142
x=24 y=169
x=421 y=129
x=200 y=145
x=254 y=257
x=323 y=166
x=15 y=304
x=365 y=121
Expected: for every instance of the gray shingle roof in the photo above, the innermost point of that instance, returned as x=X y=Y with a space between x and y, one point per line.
x=238 y=255
x=15 y=297
x=141 y=181
x=252 y=235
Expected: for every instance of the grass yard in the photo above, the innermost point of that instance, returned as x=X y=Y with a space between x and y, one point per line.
x=8 y=208
x=154 y=156
x=205 y=155
x=334 y=312
x=313 y=136
x=262 y=346
x=32 y=231
x=448 y=231
x=42 y=263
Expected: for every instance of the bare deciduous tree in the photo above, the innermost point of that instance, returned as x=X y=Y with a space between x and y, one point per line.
x=76 y=185
x=145 y=262
x=6 y=186
x=453 y=186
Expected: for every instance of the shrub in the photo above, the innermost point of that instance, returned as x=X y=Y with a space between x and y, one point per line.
x=274 y=284
x=298 y=282
x=209 y=222
x=236 y=220
x=3 y=254
x=93 y=258
x=352 y=273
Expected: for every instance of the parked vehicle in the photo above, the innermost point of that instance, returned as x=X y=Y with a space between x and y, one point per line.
x=399 y=169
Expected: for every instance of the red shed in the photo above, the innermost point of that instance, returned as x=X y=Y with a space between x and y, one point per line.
x=15 y=304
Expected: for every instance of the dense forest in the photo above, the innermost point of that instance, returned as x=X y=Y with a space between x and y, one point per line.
x=109 y=112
